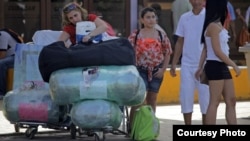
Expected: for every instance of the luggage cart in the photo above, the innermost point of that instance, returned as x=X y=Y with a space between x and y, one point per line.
x=32 y=126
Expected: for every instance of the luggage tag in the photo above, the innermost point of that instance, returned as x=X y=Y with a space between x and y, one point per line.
x=89 y=75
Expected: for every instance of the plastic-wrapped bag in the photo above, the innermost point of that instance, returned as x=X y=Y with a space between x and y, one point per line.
x=26 y=69
x=46 y=37
x=96 y=114
x=121 y=84
x=32 y=106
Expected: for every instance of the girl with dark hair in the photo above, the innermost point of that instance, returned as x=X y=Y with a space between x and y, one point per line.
x=152 y=55
x=216 y=55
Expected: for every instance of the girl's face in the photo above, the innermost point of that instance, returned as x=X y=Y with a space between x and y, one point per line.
x=74 y=16
x=149 y=19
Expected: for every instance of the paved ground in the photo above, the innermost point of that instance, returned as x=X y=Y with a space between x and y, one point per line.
x=169 y=115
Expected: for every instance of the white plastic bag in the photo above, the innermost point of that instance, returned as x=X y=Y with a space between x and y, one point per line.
x=46 y=37
x=83 y=28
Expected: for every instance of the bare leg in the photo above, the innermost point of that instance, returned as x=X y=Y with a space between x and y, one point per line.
x=151 y=100
x=211 y=113
x=203 y=118
x=215 y=88
x=187 y=118
x=230 y=100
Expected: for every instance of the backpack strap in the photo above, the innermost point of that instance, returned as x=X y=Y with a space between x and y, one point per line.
x=160 y=35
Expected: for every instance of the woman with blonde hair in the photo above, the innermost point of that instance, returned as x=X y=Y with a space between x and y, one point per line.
x=73 y=13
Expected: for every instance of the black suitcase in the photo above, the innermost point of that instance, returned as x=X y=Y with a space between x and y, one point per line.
x=112 y=52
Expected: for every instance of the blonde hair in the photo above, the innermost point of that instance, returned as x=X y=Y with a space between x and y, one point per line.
x=65 y=20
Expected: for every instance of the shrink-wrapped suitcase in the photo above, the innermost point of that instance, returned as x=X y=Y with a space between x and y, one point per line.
x=121 y=84
x=32 y=106
x=96 y=114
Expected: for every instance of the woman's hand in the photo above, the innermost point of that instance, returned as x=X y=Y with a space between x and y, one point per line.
x=86 y=38
x=237 y=71
x=198 y=73
x=173 y=71
x=159 y=73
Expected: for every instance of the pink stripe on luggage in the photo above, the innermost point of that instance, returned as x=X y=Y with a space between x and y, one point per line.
x=33 y=112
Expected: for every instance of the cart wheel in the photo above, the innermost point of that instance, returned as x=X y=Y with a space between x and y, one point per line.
x=73 y=131
x=99 y=136
x=17 y=128
x=30 y=132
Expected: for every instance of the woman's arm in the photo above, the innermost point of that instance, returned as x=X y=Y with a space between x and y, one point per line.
x=101 y=27
x=64 y=37
x=213 y=31
x=167 y=51
x=201 y=62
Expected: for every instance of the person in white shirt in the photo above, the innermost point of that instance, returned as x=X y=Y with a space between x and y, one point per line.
x=188 y=44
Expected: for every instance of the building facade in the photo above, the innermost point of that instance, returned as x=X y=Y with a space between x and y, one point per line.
x=28 y=16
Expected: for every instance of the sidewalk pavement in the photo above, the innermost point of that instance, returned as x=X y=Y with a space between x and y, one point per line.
x=169 y=115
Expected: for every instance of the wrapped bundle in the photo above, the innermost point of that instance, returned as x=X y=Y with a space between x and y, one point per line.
x=26 y=66
x=96 y=114
x=121 y=84
x=32 y=106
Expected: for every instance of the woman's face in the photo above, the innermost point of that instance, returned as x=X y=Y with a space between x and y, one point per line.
x=149 y=19
x=74 y=16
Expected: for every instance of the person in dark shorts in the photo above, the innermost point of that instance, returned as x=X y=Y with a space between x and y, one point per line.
x=216 y=55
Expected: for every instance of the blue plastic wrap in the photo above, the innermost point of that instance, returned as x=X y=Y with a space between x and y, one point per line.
x=96 y=114
x=121 y=84
x=26 y=67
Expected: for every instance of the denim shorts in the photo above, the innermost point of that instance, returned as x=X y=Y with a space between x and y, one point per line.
x=153 y=85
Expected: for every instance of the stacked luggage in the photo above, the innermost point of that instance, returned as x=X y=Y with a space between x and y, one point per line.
x=97 y=79
x=86 y=86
